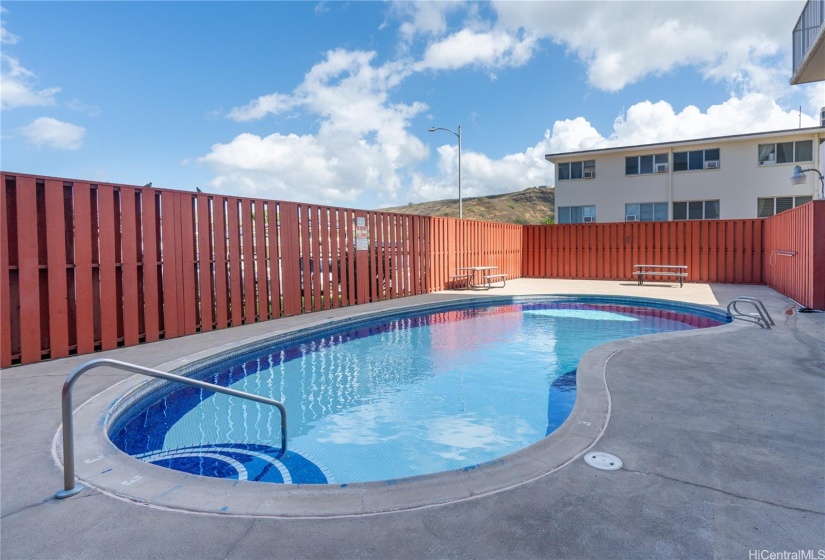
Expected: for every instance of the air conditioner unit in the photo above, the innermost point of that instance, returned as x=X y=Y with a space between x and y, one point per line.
x=631 y=218
x=587 y=219
x=589 y=174
x=712 y=164
x=661 y=168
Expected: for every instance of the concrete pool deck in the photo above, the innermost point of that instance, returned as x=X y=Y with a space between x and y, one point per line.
x=721 y=437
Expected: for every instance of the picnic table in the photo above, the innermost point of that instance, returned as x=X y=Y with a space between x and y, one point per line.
x=676 y=270
x=472 y=276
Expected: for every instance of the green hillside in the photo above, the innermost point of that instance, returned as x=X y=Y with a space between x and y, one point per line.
x=530 y=206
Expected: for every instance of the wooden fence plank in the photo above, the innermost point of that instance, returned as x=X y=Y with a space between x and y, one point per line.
x=108 y=289
x=56 y=262
x=129 y=266
x=28 y=270
x=219 y=246
x=335 y=255
x=169 y=262
x=273 y=236
x=261 y=284
x=236 y=300
x=248 y=267
x=290 y=259
x=5 y=293
x=152 y=309
x=205 y=263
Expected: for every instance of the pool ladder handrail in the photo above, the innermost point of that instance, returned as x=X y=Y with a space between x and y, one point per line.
x=70 y=487
x=761 y=317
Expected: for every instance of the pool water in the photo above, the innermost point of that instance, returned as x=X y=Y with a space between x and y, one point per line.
x=390 y=399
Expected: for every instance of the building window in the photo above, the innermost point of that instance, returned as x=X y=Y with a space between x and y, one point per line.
x=697 y=159
x=576 y=214
x=643 y=165
x=696 y=210
x=786 y=152
x=577 y=170
x=645 y=212
x=767 y=207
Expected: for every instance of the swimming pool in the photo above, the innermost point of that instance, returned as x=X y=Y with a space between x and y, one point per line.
x=409 y=394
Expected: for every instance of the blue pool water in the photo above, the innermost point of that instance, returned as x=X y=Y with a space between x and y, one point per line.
x=392 y=398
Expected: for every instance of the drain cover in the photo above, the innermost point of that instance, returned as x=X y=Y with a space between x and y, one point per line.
x=603 y=461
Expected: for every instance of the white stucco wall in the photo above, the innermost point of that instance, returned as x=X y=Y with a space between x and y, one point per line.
x=737 y=184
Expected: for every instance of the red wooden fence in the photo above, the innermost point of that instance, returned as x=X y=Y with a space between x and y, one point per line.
x=727 y=251
x=456 y=243
x=87 y=266
x=794 y=244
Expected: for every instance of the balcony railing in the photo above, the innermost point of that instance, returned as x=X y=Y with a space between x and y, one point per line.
x=807 y=30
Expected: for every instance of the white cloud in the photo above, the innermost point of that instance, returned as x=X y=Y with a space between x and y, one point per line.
x=362 y=143
x=648 y=122
x=481 y=175
x=17 y=86
x=6 y=37
x=53 y=133
x=262 y=106
x=490 y=49
x=622 y=42
x=424 y=18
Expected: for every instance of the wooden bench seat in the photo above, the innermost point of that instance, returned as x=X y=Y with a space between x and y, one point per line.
x=661 y=270
x=489 y=278
x=461 y=281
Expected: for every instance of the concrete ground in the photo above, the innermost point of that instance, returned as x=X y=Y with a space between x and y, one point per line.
x=722 y=435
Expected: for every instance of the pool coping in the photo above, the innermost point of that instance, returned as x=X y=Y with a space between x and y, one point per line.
x=100 y=465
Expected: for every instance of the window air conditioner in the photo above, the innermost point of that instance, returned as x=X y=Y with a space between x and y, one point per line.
x=712 y=164
x=631 y=218
x=661 y=168
x=587 y=219
x=589 y=174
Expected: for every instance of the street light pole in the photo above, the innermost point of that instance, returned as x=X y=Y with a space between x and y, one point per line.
x=798 y=177
x=460 y=204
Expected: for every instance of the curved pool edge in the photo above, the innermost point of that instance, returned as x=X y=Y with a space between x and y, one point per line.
x=102 y=466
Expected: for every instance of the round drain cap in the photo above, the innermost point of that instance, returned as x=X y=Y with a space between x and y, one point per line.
x=603 y=461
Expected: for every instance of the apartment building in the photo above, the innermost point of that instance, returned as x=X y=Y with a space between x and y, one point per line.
x=726 y=177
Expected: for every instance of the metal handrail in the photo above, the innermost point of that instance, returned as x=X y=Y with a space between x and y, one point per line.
x=762 y=313
x=70 y=488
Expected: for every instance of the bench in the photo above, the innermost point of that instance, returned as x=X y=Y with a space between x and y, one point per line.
x=489 y=278
x=462 y=279
x=676 y=271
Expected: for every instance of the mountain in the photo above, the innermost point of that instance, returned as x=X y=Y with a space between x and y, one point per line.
x=530 y=206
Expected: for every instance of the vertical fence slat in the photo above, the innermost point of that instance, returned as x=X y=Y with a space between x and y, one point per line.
x=5 y=295
x=290 y=259
x=335 y=257
x=56 y=263
x=151 y=296
x=326 y=261
x=83 y=268
x=261 y=284
x=129 y=266
x=106 y=263
x=205 y=263
x=219 y=245
x=234 y=260
x=248 y=266
x=274 y=257
x=28 y=270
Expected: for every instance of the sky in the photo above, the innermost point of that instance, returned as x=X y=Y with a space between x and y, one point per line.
x=331 y=102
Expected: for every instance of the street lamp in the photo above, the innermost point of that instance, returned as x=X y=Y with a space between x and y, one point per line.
x=460 y=206
x=798 y=177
